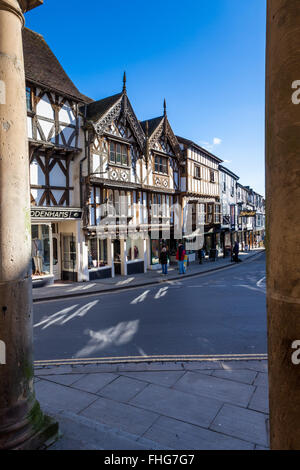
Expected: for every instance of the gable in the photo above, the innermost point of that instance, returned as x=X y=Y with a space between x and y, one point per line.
x=120 y=119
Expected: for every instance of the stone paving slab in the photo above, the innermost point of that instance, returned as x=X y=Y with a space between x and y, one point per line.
x=177 y=404
x=241 y=375
x=59 y=397
x=144 y=406
x=122 y=416
x=93 y=383
x=182 y=436
x=261 y=379
x=212 y=387
x=260 y=400
x=82 y=433
x=67 y=379
x=166 y=379
x=243 y=424
x=123 y=389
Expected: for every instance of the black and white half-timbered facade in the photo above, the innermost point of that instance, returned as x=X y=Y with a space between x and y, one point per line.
x=107 y=190
x=55 y=140
x=129 y=169
x=162 y=182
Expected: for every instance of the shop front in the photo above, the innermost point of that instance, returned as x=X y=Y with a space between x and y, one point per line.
x=116 y=255
x=56 y=245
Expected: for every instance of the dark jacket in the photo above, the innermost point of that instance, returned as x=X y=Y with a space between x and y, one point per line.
x=236 y=249
x=180 y=253
x=163 y=257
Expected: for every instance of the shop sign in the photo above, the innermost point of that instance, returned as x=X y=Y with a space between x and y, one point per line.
x=62 y=214
x=247 y=213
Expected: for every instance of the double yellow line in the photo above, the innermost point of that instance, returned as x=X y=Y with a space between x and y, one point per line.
x=154 y=358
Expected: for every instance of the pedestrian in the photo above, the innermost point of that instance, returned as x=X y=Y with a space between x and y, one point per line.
x=201 y=255
x=180 y=255
x=236 y=250
x=163 y=259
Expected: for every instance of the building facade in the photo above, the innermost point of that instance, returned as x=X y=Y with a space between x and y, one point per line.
x=55 y=144
x=229 y=217
x=200 y=197
x=108 y=191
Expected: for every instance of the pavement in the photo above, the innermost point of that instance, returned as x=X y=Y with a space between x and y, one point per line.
x=62 y=290
x=215 y=404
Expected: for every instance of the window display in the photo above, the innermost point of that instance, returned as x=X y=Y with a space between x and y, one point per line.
x=97 y=253
x=40 y=249
x=135 y=249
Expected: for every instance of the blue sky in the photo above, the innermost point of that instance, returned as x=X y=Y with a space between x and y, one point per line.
x=207 y=58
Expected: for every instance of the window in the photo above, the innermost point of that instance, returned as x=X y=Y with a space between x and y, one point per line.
x=118 y=154
x=197 y=172
x=112 y=154
x=97 y=253
x=212 y=176
x=28 y=99
x=161 y=165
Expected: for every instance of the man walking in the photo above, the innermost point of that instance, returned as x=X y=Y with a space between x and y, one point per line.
x=163 y=259
x=180 y=258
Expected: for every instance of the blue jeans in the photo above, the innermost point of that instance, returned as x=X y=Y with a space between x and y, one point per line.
x=181 y=267
x=164 y=268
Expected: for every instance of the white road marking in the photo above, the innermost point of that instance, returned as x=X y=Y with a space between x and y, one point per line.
x=55 y=316
x=259 y=283
x=117 y=335
x=161 y=293
x=140 y=298
x=81 y=312
x=127 y=281
x=89 y=286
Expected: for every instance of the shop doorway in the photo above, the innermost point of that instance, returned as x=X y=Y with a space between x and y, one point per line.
x=69 y=258
x=117 y=257
x=56 y=257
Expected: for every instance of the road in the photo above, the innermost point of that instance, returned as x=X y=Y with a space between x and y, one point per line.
x=219 y=313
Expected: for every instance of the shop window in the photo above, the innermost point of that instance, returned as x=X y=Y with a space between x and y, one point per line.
x=135 y=249
x=97 y=253
x=40 y=248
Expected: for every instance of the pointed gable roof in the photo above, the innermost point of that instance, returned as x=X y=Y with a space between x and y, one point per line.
x=103 y=112
x=152 y=124
x=97 y=109
x=43 y=68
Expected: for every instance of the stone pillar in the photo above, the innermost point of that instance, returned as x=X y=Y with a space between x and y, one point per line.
x=283 y=223
x=22 y=424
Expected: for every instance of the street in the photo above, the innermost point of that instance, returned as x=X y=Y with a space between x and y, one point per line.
x=218 y=313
